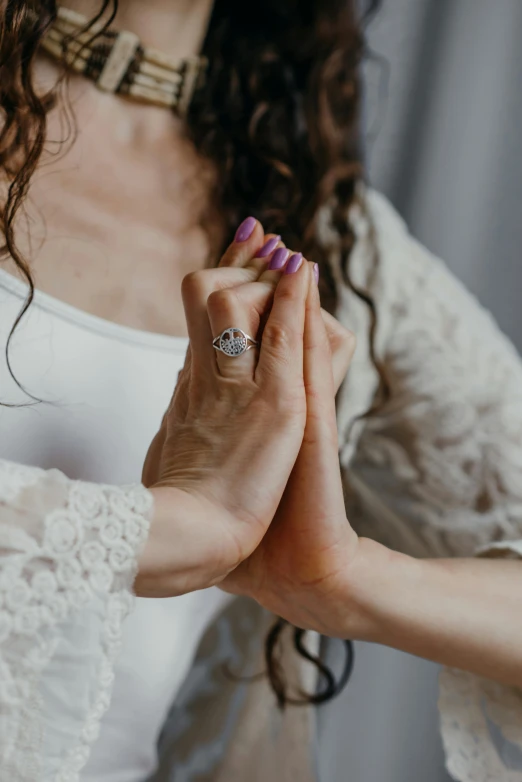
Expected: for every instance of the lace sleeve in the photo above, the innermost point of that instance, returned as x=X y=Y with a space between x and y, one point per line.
x=67 y=564
x=438 y=472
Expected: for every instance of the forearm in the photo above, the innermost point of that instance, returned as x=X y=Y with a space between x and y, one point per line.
x=464 y=613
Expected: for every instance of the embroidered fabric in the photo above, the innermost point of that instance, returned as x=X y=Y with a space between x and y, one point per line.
x=68 y=555
x=437 y=472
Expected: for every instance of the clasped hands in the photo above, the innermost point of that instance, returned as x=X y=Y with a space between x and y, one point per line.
x=245 y=470
x=248 y=493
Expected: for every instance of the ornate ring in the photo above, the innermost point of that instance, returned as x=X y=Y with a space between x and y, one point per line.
x=234 y=342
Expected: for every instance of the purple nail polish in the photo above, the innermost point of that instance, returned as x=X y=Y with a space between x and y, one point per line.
x=294 y=263
x=245 y=230
x=268 y=247
x=316 y=273
x=278 y=259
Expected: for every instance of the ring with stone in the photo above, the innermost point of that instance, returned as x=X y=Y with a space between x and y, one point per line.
x=234 y=342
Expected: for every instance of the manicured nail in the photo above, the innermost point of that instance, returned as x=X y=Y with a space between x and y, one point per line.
x=246 y=229
x=268 y=247
x=278 y=259
x=316 y=273
x=294 y=263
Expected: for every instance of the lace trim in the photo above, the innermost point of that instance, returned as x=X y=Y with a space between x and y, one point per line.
x=15 y=477
x=63 y=546
x=472 y=710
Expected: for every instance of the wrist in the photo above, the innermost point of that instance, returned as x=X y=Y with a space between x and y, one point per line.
x=378 y=586
x=193 y=544
x=176 y=558
x=155 y=567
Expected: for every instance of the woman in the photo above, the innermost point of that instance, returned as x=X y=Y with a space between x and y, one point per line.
x=432 y=471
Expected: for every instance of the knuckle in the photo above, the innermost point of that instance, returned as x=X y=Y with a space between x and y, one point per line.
x=343 y=339
x=194 y=284
x=287 y=293
x=221 y=301
x=277 y=336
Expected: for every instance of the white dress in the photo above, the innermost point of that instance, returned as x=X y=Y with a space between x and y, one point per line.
x=438 y=472
x=105 y=388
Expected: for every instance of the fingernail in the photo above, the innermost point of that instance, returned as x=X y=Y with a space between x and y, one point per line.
x=316 y=273
x=245 y=230
x=294 y=263
x=268 y=247
x=278 y=259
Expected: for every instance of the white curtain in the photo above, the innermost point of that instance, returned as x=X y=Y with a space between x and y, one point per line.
x=448 y=154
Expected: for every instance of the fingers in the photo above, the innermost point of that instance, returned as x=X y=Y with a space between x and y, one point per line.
x=234 y=309
x=318 y=458
x=212 y=307
x=249 y=239
x=342 y=347
x=238 y=265
x=328 y=351
x=277 y=264
x=257 y=252
x=317 y=362
x=281 y=354
x=195 y=289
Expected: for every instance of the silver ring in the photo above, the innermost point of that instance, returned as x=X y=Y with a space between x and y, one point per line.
x=234 y=342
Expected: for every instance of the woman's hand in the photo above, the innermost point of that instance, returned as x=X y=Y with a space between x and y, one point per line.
x=300 y=569
x=311 y=568
x=234 y=427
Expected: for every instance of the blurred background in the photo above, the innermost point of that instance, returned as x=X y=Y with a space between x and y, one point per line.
x=443 y=119
x=448 y=152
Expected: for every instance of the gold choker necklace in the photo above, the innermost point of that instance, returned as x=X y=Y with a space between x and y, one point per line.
x=117 y=62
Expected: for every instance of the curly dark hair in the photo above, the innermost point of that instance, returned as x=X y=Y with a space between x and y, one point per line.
x=278 y=116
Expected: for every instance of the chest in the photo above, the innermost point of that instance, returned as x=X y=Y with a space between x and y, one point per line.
x=105 y=388
x=116 y=216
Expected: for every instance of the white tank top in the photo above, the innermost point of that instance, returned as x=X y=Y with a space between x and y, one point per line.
x=104 y=388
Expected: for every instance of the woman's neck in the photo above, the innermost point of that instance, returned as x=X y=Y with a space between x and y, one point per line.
x=122 y=223
x=176 y=27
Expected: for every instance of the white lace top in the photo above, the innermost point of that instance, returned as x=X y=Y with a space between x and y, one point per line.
x=67 y=564
x=94 y=426
x=437 y=472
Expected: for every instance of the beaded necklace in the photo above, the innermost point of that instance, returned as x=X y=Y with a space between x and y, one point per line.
x=117 y=62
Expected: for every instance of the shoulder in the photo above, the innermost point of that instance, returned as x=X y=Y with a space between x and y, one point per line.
x=386 y=262
x=401 y=265
x=438 y=346
x=420 y=296
x=411 y=288
x=16 y=477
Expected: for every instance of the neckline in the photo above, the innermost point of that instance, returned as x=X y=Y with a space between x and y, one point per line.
x=89 y=322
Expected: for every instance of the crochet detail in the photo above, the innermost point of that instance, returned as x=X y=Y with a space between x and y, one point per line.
x=68 y=550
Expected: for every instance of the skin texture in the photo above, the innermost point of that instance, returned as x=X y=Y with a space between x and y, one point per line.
x=228 y=418
x=311 y=568
x=116 y=226
x=220 y=424
x=96 y=215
